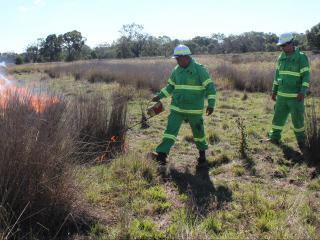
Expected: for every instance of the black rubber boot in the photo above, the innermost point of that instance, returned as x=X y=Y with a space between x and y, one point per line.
x=161 y=158
x=202 y=157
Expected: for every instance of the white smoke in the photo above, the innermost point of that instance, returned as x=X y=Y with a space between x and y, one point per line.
x=5 y=82
x=3 y=64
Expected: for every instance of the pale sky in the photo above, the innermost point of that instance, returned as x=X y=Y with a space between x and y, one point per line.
x=24 y=21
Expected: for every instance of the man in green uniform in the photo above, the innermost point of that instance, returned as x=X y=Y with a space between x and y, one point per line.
x=289 y=90
x=189 y=84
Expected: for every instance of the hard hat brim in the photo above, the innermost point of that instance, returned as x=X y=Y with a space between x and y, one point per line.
x=282 y=43
x=176 y=56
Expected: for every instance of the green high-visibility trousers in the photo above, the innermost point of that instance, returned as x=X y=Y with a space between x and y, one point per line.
x=175 y=120
x=283 y=107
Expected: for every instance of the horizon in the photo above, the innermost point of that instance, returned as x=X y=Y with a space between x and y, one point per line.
x=100 y=21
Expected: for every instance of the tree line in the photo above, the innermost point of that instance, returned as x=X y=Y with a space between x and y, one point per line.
x=134 y=42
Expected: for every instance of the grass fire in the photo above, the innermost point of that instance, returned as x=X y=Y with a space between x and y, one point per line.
x=108 y=134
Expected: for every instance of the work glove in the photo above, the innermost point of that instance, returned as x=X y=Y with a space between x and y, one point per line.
x=155 y=99
x=274 y=96
x=300 y=97
x=209 y=111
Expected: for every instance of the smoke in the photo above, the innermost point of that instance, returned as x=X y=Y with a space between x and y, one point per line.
x=3 y=65
x=4 y=81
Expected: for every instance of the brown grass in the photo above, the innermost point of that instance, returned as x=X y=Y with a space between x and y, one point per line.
x=100 y=124
x=313 y=131
x=35 y=189
x=253 y=72
x=248 y=76
x=38 y=151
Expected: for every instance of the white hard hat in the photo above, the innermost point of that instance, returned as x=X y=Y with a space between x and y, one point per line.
x=181 y=50
x=285 y=38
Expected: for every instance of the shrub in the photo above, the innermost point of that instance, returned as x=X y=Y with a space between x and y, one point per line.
x=243 y=147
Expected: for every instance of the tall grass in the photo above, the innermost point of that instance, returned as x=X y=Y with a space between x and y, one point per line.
x=313 y=131
x=38 y=150
x=36 y=196
x=248 y=76
x=100 y=125
x=253 y=72
x=142 y=74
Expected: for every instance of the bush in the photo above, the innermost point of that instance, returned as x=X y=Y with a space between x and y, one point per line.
x=19 y=60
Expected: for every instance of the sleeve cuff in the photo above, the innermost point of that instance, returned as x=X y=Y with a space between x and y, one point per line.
x=211 y=103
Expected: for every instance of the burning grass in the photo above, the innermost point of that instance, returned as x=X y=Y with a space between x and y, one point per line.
x=100 y=125
x=43 y=137
x=36 y=192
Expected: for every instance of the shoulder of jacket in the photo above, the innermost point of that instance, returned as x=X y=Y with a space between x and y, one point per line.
x=303 y=56
x=201 y=66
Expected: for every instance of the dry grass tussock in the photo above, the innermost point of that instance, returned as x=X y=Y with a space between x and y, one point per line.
x=36 y=196
x=313 y=131
x=100 y=126
x=38 y=150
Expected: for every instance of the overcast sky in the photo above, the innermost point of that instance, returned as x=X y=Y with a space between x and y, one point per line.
x=24 y=21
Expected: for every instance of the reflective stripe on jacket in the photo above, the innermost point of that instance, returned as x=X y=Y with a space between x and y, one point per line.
x=292 y=75
x=189 y=87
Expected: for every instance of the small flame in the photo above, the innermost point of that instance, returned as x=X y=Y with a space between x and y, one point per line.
x=101 y=157
x=113 y=138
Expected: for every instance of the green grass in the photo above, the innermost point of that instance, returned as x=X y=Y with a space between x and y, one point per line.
x=219 y=160
x=138 y=203
x=238 y=170
x=314 y=185
x=144 y=229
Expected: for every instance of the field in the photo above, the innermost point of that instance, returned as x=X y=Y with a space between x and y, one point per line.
x=250 y=189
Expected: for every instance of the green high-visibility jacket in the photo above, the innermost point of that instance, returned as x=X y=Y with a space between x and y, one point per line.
x=189 y=87
x=292 y=75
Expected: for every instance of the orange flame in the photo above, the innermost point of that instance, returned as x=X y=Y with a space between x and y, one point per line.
x=113 y=138
x=38 y=103
x=101 y=157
